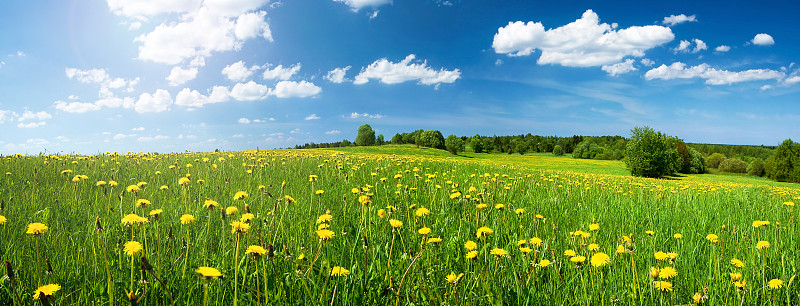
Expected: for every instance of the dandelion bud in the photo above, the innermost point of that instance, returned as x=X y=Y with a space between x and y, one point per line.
x=146 y=266
x=222 y=213
x=366 y=243
x=653 y=272
x=49 y=267
x=98 y=226
x=270 y=251
x=9 y=271
x=247 y=208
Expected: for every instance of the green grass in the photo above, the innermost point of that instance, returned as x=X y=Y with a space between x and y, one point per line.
x=363 y=188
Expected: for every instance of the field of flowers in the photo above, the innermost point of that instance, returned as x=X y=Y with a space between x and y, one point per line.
x=323 y=227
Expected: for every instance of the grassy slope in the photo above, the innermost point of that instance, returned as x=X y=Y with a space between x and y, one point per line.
x=546 y=161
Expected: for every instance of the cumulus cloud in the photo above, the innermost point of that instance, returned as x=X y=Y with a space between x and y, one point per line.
x=292 y=89
x=193 y=98
x=238 y=72
x=356 y=5
x=75 y=107
x=712 y=76
x=333 y=132
x=722 y=48
x=406 y=70
x=676 y=19
x=249 y=91
x=180 y=75
x=281 y=73
x=312 y=117
x=143 y=8
x=684 y=46
x=252 y=25
x=337 y=75
x=619 y=68
x=101 y=77
x=7 y=116
x=763 y=39
x=647 y=62
x=792 y=80
x=31 y=124
x=356 y=115
x=244 y=120
x=159 y=101
x=29 y=115
x=582 y=43
x=120 y=136
x=139 y=129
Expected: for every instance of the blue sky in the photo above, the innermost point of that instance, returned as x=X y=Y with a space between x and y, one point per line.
x=163 y=76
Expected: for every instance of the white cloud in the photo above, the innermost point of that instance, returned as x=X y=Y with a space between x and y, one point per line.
x=647 y=62
x=685 y=45
x=238 y=72
x=281 y=73
x=151 y=138
x=252 y=25
x=619 y=68
x=159 y=101
x=31 y=124
x=120 y=136
x=763 y=39
x=676 y=19
x=312 y=117
x=193 y=98
x=766 y=87
x=290 y=89
x=333 y=132
x=712 y=76
x=249 y=91
x=337 y=75
x=138 y=129
x=21 y=54
x=180 y=75
x=244 y=120
x=161 y=137
x=144 y=138
x=374 y=14
x=356 y=5
x=582 y=43
x=101 y=77
x=143 y=8
x=7 y=116
x=73 y=97
x=75 y=107
x=406 y=70
x=355 y=115
x=699 y=46
x=722 y=48
x=37 y=142
x=29 y=115
x=114 y=102
x=134 y=25
x=237 y=136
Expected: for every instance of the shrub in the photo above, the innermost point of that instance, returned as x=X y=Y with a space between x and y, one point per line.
x=651 y=154
x=715 y=159
x=454 y=144
x=756 y=167
x=476 y=144
x=431 y=139
x=557 y=151
x=733 y=165
x=784 y=164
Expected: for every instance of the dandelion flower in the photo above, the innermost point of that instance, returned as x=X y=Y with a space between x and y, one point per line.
x=775 y=283
x=187 y=219
x=325 y=234
x=519 y=211
x=667 y=273
x=324 y=218
x=578 y=259
x=741 y=284
x=142 y=203
x=241 y=195
x=339 y=271
x=788 y=203
x=2 y=220
x=434 y=240
x=133 y=188
x=163 y=187
x=569 y=253
x=759 y=223
x=594 y=227
x=593 y=247
x=650 y=233
x=737 y=263
x=470 y=245
x=133 y=219
x=247 y=217
x=660 y=256
x=499 y=252
x=544 y=263
x=210 y=204
x=713 y=238
x=600 y=259
x=156 y=212
x=256 y=250
x=319 y=192
x=36 y=229
x=239 y=227
x=677 y=236
x=762 y=245
x=735 y=276
x=132 y=248
x=422 y=211
x=231 y=210
x=396 y=223
x=382 y=213
x=453 y=278
x=424 y=231
x=672 y=255
x=472 y=254
x=484 y=231
x=100 y=184
x=535 y=241
x=184 y=181
x=662 y=285
x=208 y=272
x=47 y=290
x=620 y=249
x=112 y=183
x=525 y=250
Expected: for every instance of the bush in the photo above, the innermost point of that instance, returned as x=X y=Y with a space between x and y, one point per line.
x=715 y=159
x=733 y=165
x=454 y=144
x=784 y=164
x=557 y=151
x=756 y=167
x=651 y=154
x=476 y=144
x=698 y=163
x=431 y=139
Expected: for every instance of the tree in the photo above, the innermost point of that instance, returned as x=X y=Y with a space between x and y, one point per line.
x=756 y=167
x=454 y=144
x=715 y=159
x=522 y=146
x=650 y=153
x=431 y=139
x=476 y=144
x=557 y=151
x=366 y=136
x=379 y=141
x=784 y=164
x=733 y=165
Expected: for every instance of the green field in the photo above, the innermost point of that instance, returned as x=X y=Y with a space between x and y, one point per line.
x=370 y=248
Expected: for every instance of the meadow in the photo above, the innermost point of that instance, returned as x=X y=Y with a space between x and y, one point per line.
x=390 y=225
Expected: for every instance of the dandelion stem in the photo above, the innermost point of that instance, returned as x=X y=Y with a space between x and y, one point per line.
x=236 y=274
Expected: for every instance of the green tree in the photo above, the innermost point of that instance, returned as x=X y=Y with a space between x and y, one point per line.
x=476 y=144
x=784 y=164
x=521 y=146
x=431 y=139
x=397 y=139
x=366 y=136
x=733 y=165
x=715 y=159
x=651 y=153
x=379 y=140
x=454 y=144
x=557 y=151
x=756 y=167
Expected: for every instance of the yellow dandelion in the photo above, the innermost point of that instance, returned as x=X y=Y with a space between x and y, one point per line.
x=133 y=219
x=620 y=249
x=163 y=187
x=662 y=285
x=339 y=271
x=47 y=291
x=544 y=263
x=578 y=259
x=382 y=213
x=208 y=272
x=762 y=245
x=132 y=248
x=569 y=253
x=231 y=210
x=470 y=245
x=422 y=211
x=654 y=272
x=256 y=250
x=735 y=276
x=424 y=231
x=519 y=211
x=36 y=229
x=535 y=241
x=737 y=263
x=667 y=273
x=472 y=254
x=184 y=181
x=325 y=234
x=187 y=219
x=319 y=192
x=600 y=259
x=453 y=278
x=324 y=218
x=434 y=240
x=396 y=223
x=593 y=247
x=112 y=183
x=100 y=184
x=247 y=217
x=241 y=195
x=133 y=188
x=499 y=252
x=672 y=255
x=713 y=238
x=484 y=231
x=594 y=227
x=525 y=250
x=775 y=283
x=238 y=227
x=2 y=220
x=142 y=203
x=156 y=212
x=210 y=204
x=660 y=256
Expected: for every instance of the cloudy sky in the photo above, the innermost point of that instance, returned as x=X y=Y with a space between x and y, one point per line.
x=89 y=76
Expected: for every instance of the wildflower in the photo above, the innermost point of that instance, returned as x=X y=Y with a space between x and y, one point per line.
x=231 y=210
x=536 y=241
x=45 y=292
x=585 y=235
x=650 y=233
x=455 y=195
x=569 y=253
x=424 y=231
x=453 y=278
x=133 y=188
x=2 y=220
x=396 y=223
x=672 y=255
x=600 y=259
x=472 y=254
x=712 y=237
x=210 y=204
x=112 y=183
x=667 y=273
x=470 y=245
x=36 y=229
x=434 y=240
x=76 y=179
x=499 y=206
x=184 y=181
x=519 y=211
x=382 y=213
x=319 y=192
x=141 y=184
x=290 y=199
x=256 y=250
x=578 y=259
x=775 y=283
x=133 y=219
x=737 y=263
x=239 y=227
x=163 y=187
x=241 y=195
x=100 y=184
x=187 y=219
x=480 y=206
x=525 y=250
x=499 y=252
x=208 y=272
x=762 y=245
x=156 y=212
x=593 y=247
x=735 y=276
x=740 y=284
x=422 y=211
x=339 y=271
x=620 y=249
x=677 y=236
x=788 y=203
x=142 y=202
x=759 y=223
x=312 y=178
x=544 y=263
x=132 y=248
x=324 y=218
x=594 y=227
x=660 y=256
x=325 y=234
x=484 y=231
x=654 y=272
x=247 y=217
x=662 y=285
x=697 y=298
